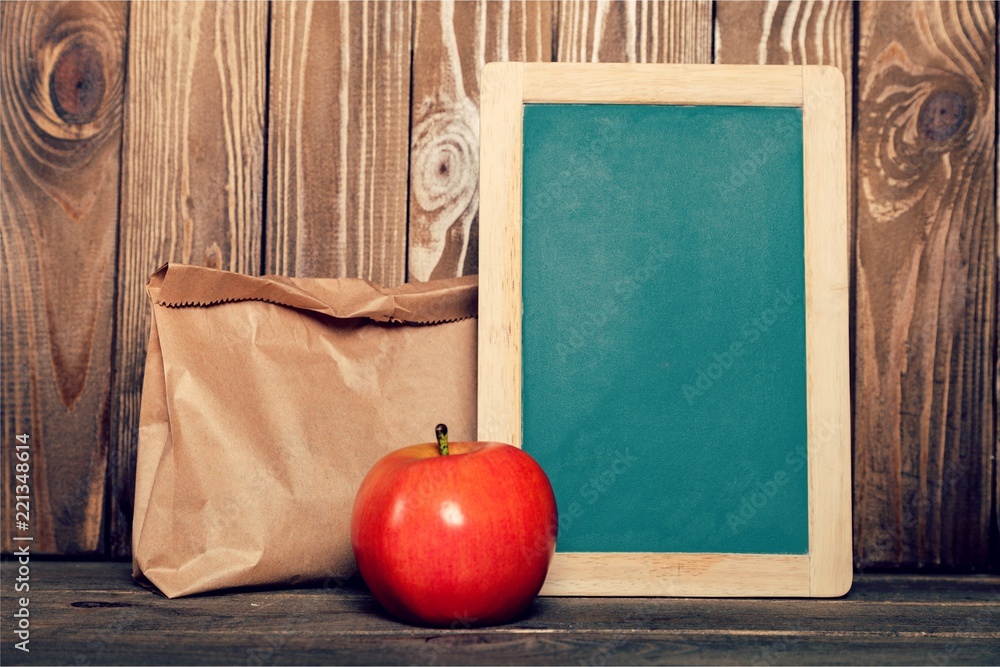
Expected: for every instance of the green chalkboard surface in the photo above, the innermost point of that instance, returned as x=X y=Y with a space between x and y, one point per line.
x=664 y=364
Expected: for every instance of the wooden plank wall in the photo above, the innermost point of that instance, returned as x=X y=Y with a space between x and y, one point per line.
x=61 y=100
x=341 y=139
x=337 y=145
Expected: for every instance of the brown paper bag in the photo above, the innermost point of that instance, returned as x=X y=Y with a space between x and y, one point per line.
x=267 y=400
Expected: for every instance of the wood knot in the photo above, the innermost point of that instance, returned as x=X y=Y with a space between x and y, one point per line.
x=445 y=164
x=64 y=74
x=942 y=115
x=77 y=83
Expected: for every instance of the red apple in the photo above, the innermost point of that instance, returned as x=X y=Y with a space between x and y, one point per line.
x=455 y=535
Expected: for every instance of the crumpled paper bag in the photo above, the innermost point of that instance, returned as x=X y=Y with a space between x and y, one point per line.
x=267 y=400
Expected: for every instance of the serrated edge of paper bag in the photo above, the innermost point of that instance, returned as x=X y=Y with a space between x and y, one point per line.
x=432 y=302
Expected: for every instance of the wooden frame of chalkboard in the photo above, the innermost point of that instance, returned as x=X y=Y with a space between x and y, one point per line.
x=825 y=568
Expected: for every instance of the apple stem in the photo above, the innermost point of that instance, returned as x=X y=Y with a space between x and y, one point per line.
x=441 y=431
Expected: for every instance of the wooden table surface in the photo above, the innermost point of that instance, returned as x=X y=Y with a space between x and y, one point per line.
x=91 y=613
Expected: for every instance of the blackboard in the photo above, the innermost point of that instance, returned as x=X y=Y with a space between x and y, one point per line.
x=663 y=320
x=664 y=327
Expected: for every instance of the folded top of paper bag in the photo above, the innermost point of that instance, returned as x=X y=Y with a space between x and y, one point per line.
x=180 y=285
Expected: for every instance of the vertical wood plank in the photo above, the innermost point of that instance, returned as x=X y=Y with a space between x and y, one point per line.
x=925 y=283
x=452 y=42
x=784 y=32
x=61 y=118
x=634 y=31
x=192 y=186
x=339 y=122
